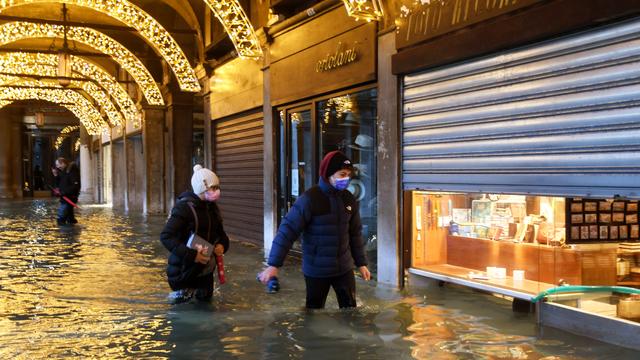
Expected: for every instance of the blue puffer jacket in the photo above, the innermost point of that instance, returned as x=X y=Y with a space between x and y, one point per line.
x=331 y=230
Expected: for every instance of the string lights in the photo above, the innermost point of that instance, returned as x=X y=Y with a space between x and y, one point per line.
x=364 y=9
x=238 y=27
x=81 y=107
x=43 y=64
x=94 y=91
x=15 y=31
x=64 y=133
x=148 y=27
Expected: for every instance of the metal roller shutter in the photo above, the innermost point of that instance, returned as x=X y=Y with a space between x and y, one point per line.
x=560 y=117
x=238 y=162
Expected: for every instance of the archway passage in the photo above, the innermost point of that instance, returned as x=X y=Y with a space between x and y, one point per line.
x=93 y=79
x=16 y=31
x=148 y=27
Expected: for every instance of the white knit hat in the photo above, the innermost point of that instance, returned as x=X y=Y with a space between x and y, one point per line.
x=203 y=179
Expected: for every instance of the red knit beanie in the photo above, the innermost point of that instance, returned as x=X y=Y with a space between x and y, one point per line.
x=333 y=162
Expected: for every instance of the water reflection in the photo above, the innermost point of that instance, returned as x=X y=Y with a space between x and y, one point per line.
x=98 y=290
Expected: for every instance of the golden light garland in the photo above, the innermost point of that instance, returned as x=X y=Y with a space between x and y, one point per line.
x=81 y=107
x=15 y=31
x=364 y=9
x=94 y=91
x=148 y=27
x=77 y=145
x=64 y=133
x=44 y=64
x=237 y=25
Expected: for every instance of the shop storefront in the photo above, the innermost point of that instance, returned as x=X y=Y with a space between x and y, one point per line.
x=237 y=132
x=519 y=168
x=324 y=97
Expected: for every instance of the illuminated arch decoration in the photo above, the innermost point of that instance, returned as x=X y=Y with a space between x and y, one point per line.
x=238 y=27
x=145 y=24
x=94 y=91
x=364 y=9
x=64 y=133
x=81 y=107
x=44 y=64
x=15 y=31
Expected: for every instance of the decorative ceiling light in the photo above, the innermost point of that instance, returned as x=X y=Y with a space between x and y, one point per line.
x=39 y=119
x=64 y=133
x=237 y=25
x=94 y=91
x=148 y=27
x=15 y=31
x=64 y=56
x=81 y=107
x=364 y=9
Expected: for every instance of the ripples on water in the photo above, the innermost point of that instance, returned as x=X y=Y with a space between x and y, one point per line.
x=98 y=291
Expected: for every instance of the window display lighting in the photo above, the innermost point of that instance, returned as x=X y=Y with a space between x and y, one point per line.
x=15 y=31
x=148 y=27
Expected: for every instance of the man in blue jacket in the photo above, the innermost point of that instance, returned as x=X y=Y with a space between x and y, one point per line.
x=327 y=216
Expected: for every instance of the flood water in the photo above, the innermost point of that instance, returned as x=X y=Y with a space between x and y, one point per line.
x=98 y=290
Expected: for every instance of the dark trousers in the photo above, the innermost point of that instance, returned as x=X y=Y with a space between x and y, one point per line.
x=65 y=213
x=343 y=285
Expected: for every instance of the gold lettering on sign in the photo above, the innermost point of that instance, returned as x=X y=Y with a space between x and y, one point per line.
x=340 y=58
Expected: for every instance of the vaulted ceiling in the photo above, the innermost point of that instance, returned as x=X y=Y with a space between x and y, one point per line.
x=138 y=45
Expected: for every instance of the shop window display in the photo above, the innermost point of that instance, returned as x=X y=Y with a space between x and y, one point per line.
x=310 y=130
x=523 y=243
x=348 y=123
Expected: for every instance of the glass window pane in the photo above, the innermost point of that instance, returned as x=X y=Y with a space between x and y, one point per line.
x=348 y=123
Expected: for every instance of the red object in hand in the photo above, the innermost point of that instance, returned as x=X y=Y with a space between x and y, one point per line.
x=220 y=266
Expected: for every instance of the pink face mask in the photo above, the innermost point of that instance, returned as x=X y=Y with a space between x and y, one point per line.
x=212 y=195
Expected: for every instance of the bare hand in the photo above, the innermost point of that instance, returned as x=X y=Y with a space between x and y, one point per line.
x=201 y=257
x=364 y=271
x=268 y=273
x=218 y=250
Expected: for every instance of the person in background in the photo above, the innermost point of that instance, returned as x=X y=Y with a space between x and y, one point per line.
x=69 y=187
x=327 y=217
x=189 y=270
x=38 y=179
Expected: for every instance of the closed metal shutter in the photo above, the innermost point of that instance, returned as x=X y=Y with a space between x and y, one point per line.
x=560 y=117
x=238 y=162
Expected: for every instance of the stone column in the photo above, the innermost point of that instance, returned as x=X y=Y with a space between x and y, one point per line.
x=208 y=126
x=135 y=173
x=154 y=154
x=16 y=155
x=87 y=165
x=10 y=153
x=269 y=167
x=179 y=124
x=389 y=180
